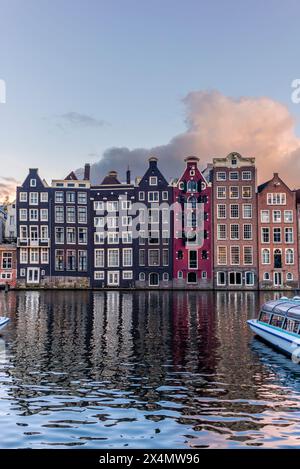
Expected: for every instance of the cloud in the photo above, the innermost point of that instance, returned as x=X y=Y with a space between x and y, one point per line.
x=215 y=126
x=80 y=120
x=8 y=188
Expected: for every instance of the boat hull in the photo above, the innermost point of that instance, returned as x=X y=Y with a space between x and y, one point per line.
x=3 y=323
x=280 y=339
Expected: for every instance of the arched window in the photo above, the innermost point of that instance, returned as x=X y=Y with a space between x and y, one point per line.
x=192 y=220
x=165 y=276
x=153 y=279
x=142 y=277
x=289 y=256
x=192 y=202
x=277 y=259
x=192 y=186
x=180 y=274
x=266 y=276
x=266 y=256
x=289 y=276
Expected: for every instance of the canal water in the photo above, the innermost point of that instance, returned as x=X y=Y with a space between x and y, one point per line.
x=142 y=370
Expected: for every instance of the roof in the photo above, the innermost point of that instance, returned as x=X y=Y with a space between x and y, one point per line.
x=72 y=176
x=263 y=185
x=289 y=307
x=111 y=178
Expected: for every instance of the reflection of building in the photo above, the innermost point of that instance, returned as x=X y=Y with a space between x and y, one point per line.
x=192 y=252
x=235 y=222
x=277 y=235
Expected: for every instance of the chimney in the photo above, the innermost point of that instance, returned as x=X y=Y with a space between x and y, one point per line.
x=128 y=176
x=87 y=171
x=153 y=161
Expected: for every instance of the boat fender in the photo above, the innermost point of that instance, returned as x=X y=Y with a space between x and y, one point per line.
x=296 y=354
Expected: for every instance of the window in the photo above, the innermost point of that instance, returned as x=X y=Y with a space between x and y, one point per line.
x=142 y=257
x=82 y=261
x=234 y=255
x=288 y=216
x=34 y=255
x=142 y=276
x=59 y=197
x=23 y=214
x=6 y=260
x=99 y=275
x=288 y=235
x=265 y=216
x=33 y=198
x=165 y=257
x=112 y=222
x=289 y=256
x=153 y=181
x=233 y=192
x=165 y=215
x=233 y=176
x=23 y=232
x=221 y=232
x=70 y=197
x=165 y=237
x=127 y=257
x=71 y=235
x=266 y=276
x=249 y=278
x=234 y=211
x=59 y=235
x=127 y=275
x=221 y=192
x=192 y=186
x=204 y=274
x=98 y=205
x=44 y=256
x=44 y=214
x=113 y=257
x=23 y=256
x=142 y=195
x=277 y=320
x=153 y=257
x=276 y=216
x=221 y=176
x=246 y=175
x=180 y=255
x=126 y=205
x=222 y=255
x=247 y=210
x=71 y=259
x=165 y=276
x=153 y=279
x=193 y=259
x=247 y=231
x=99 y=222
x=192 y=220
x=246 y=192
x=276 y=199
x=277 y=259
x=99 y=237
x=33 y=214
x=44 y=233
x=235 y=278
x=127 y=237
x=99 y=258
x=289 y=276
x=265 y=235
x=34 y=233
x=59 y=259
x=113 y=237
x=233 y=161
x=248 y=255
x=127 y=221
x=82 y=235
x=153 y=237
x=44 y=196
x=142 y=238
x=221 y=211
x=165 y=195
x=234 y=232
x=59 y=214
x=82 y=197
x=23 y=197
x=265 y=256
x=113 y=206
x=32 y=182
x=82 y=215
x=192 y=277
x=179 y=274
x=153 y=196
x=277 y=235
x=221 y=278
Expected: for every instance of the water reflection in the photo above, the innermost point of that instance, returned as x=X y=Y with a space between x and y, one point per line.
x=142 y=369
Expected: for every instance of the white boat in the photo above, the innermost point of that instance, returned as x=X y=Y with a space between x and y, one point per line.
x=3 y=322
x=279 y=324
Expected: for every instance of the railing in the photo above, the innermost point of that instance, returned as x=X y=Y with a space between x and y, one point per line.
x=28 y=242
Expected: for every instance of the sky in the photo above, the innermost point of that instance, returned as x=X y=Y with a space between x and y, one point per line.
x=112 y=81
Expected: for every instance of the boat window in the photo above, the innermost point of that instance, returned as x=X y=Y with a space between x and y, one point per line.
x=291 y=325
x=277 y=320
x=264 y=317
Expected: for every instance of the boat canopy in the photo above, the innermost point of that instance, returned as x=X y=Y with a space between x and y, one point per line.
x=289 y=307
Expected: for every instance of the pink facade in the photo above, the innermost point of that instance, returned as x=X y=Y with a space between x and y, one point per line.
x=192 y=248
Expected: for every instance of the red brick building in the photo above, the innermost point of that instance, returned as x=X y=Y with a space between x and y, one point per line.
x=8 y=265
x=235 y=223
x=277 y=236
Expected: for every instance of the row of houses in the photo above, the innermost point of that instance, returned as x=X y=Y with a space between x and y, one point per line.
x=211 y=228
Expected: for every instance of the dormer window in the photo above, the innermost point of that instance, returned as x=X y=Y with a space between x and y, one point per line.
x=192 y=173
x=234 y=161
x=153 y=181
x=192 y=186
x=32 y=182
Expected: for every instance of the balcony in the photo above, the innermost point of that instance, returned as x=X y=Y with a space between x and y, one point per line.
x=33 y=243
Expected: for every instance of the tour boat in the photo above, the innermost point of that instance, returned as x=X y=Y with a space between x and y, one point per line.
x=3 y=322
x=279 y=324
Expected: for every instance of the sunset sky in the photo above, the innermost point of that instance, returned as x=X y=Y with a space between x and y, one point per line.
x=111 y=81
